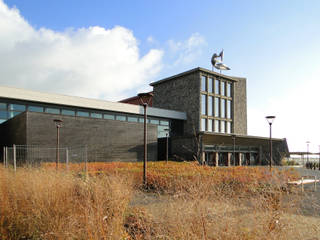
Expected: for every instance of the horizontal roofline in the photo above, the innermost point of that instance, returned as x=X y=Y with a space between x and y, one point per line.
x=235 y=79
x=72 y=101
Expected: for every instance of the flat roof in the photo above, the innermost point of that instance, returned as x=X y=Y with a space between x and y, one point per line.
x=65 y=100
x=198 y=69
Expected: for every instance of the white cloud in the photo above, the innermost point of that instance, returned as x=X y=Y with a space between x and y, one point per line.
x=189 y=50
x=89 y=62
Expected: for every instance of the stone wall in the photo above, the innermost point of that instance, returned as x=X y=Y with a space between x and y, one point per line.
x=240 y=107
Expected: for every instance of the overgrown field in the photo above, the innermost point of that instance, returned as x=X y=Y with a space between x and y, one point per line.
x=180 y=201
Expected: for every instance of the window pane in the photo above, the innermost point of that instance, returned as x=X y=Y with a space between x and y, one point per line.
x=228 y=89
x=82 y=114
x=216 y=107
x=163 y=131
x=108 y=116
x=53 y=110
x=35 y=109
x=209 y=125
x=121 y=118
x=210 y=85
x=96 y=115
x=228 y=127
x=223 y=108
x=164 y=123
x=12 y=114
x=3 y=105
x=17 y=107
x=203 y=124
x=216 y=125
x=203 y=83
x=67 y=112
x=223 y=88
x=216 y=86
x=222 y=126
x=228 y=109
x=2 y=120
x=3 y=114
x=153 y=121
x=132 y=119
x=142 y=120
x=210 y=105
x=203 y=104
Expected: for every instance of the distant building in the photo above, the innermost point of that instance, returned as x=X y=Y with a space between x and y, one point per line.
x=203 y=112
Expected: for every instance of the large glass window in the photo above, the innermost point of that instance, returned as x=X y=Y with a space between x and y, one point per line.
x=53 y=110
x=228 y=89
x=3 y=114
x=163 y=131
x=210 y=85
x=154 y=121
x=3 y=106
x=203 y=104
x=35 y=109
x=203 y=124
x=228 y=127
x=216 y=86
x=216 y=107
x=12 y=114
x=132 y=119
x=67 y=112
x=216 y=125
x=228 y=109
x=223 y=108
x=17 y=107
x=209 y=125
x=82 y=114
x=203 y=83
x=121 y=118
x=222 y=126
x=223 y=88
x=142 y=120
x=96 y=115
x=108 y=116
x=164 y=123
x=210 y=105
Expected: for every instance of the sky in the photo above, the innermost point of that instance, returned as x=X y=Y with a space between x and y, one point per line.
x=113 y=49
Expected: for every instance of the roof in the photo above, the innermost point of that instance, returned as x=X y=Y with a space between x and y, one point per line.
x=198 y=69
x=59 y=99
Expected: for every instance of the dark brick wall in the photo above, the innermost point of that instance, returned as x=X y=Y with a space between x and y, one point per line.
x=240 y=107
x=182 y=94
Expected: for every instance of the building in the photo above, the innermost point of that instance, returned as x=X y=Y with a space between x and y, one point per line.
x=203 y=112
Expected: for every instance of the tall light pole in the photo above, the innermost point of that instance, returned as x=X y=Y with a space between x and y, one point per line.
x=145 y=99
x=270 y=120
x=319 y=157
x=167 y=144
x=234 y=148
x=58 y=123
x=307 y=142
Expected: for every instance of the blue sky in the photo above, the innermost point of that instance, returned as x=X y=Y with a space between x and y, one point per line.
x=274 y=44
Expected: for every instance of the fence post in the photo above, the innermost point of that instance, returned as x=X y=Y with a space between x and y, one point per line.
x=67 y=159
x=14 y=157
x=86 y=160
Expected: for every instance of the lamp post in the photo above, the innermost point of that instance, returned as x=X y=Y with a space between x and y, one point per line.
x=167 y=144
x=307 y=142
x=58 y=123
x=234 y=148
x=270 y=120
x=319 y=158
x=145 y=99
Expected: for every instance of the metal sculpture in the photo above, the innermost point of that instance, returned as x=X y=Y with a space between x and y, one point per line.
x=218 y=64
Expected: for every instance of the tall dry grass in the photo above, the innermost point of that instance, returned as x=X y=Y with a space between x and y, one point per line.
x=44 y=204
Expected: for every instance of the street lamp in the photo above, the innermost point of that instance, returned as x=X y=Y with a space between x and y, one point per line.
x=167 y=144
x=58 y=123
x=307 y=142
x=270 y=120
x=234 y=148
x=145 y=99
x=319 y=157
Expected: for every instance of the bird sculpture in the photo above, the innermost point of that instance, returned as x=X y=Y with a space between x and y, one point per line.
x=218 y=64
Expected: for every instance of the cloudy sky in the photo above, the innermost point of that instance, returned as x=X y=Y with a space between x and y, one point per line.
x=113 y=49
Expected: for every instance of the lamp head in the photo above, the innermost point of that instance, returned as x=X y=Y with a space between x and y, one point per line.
x=270 y=119
x=58 y=122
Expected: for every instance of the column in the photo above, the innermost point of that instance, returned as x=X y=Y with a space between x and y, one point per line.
x=216 y=159
x=229 y=159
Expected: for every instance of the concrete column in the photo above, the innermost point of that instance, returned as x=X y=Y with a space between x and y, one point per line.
x=239 y=158
x=216 y=159
x=203 y=158
x=229 y=160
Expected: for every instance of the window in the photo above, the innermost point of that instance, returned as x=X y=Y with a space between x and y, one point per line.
x=203 y=83
x=96 y=115
x=209 y=125
x=3 y=114
x=228 y=109
x=2 y=120
x=142 y=120
x=203 y=104
x=210 y=85
x=216 y=125
x=228 y=127
x=216 y=86
x=164 y=123
x=228 y=89
x=108 y=116
x=216 y=107
x=121 y=118
x=17 y=107
x=223 y=108
x=3 y=106
x=53 y=110
x=132 y=119
x=163 y=131
x=210 y=105
x=154 y=121
x=82 y=114
x=203 y=124
x=67 y=112
x=223 y=88
x=222 y=126
x=35 y=109
x=12 y=114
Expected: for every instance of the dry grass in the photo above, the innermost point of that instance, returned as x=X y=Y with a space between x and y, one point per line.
x=181 y=201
